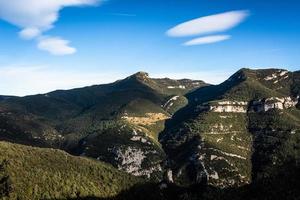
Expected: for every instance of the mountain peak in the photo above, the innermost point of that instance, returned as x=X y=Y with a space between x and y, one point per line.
x=141 y=77
x=141 y=74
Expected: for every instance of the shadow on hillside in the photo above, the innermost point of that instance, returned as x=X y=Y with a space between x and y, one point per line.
x=152 y=192
x=284 y=185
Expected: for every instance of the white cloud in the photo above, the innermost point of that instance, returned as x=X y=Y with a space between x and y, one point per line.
x=56 y=46
x=209 y=24
x=39 y=14
x=36 y=16
x=29 y=33
x=207 y=40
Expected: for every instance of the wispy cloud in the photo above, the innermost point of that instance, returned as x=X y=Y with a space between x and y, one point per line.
x=36 y=16
x=123 y=14
x=29 y=33
x=56 y=46
x=207 y=40
x=209 y=24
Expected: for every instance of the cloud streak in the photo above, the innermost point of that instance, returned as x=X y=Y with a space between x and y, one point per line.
x=207 y=40
x=209 y=24
x=37 y=16
x=56 y=46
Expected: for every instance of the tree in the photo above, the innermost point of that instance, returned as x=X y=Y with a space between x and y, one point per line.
x=5 y=181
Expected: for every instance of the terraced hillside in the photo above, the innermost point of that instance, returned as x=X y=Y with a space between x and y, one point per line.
x=117 y=123
x=236 y=133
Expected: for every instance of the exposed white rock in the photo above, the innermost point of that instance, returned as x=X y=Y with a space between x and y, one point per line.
x=196 y=83
x=282 y=73
x=212 y=157
x=274 y=103
x=202 y=156
x=134 y=132
x=136 y=138
x=277 y=76
x=232 y=137
x=223 y=117
x=244 y=103
x=219 y=140
x=149 y=171
x=140 y=139
x=175 y=87
x=170 y=176
x=243 y=148
x=214 y=175
x=229 y=106
x=130 y=159
x=270 y=77
x=171 y=87
x=219 y=127
x=228 y=154
x=170 y=102
x=289 y=102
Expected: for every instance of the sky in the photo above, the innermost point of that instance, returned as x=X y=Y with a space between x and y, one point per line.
x=62 y=44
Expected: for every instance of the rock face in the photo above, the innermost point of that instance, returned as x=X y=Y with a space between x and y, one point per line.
x=219 y=144
x=274 y=103
x=219 y=139
x=131 y=161
x=261 y=105
x=229 y=106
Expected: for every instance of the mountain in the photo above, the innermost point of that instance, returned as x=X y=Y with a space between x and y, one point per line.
x=243 y=132
x=180 y=139
x=117 y=123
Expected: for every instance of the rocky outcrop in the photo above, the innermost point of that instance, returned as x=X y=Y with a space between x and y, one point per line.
x=274 y=103
x=229 y=106
x=280 y=74
x=131 y=159
x=261 y=105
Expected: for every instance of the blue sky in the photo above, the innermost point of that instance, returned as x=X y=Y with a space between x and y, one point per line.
x=112 y=39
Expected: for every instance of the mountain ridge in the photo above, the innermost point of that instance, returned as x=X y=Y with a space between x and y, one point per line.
x=129 y=113
x=179 y=133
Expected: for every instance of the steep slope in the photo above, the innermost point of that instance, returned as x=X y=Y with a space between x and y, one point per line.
x=117 y=123
x=235 y=133
x=35 y=173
